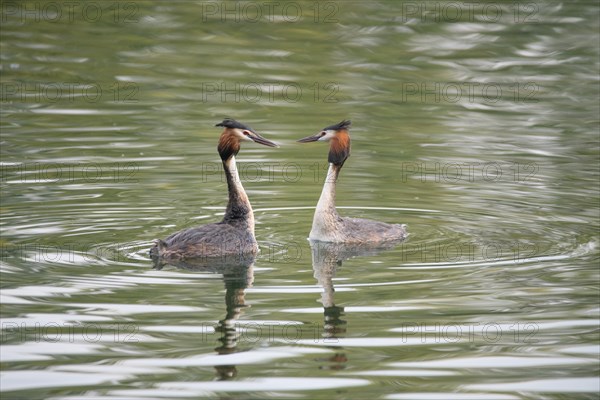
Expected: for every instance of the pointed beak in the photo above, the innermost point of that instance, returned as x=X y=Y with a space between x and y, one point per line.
x=308 y=139
x=261 y=140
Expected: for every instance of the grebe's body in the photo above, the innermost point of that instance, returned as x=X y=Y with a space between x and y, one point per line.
x=235 y=233
x=328 y=225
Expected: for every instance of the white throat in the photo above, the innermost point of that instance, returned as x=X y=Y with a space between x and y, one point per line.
x=237 y=195
x=326 y=217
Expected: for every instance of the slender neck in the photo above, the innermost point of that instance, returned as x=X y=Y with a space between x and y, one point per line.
x=327 y=200
x=238 y=209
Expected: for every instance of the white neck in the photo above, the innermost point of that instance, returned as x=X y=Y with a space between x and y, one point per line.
x=326 y=216
x=238 y=208
x=327 y=200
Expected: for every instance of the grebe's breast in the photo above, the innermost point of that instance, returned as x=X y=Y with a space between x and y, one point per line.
x=333 y=228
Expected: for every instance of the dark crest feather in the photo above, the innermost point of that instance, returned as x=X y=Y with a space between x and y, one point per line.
x=344 y=125
x=338 y=156
x=232 y=123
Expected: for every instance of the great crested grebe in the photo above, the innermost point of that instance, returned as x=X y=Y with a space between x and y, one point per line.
x=235 y=233
x=327 y=225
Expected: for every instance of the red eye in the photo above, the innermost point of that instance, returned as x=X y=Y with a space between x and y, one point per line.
x=323 y=133
x=246 y=133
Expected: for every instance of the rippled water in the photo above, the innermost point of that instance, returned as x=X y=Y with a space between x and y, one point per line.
x=479 y=130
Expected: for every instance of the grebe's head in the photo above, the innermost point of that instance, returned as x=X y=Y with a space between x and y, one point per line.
x=339 y=141
x=234 y=133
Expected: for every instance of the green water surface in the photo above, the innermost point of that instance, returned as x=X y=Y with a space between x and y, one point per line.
x=474 y=123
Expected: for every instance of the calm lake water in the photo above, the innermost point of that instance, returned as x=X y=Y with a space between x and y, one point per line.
x=474 y=123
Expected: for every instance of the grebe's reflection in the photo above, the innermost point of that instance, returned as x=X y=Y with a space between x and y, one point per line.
x=327 y=257
x=238 y=274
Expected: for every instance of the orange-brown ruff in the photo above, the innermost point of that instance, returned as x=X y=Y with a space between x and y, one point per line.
x=234 y=235
x=328 y=225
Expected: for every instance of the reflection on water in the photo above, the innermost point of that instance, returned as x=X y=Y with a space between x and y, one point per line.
x=326 y=258
x=234 y=301
x=237 y=275
x=478 y=130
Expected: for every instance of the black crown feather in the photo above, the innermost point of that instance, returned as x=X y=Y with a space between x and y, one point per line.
x=232 y=123
x=345 y=124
